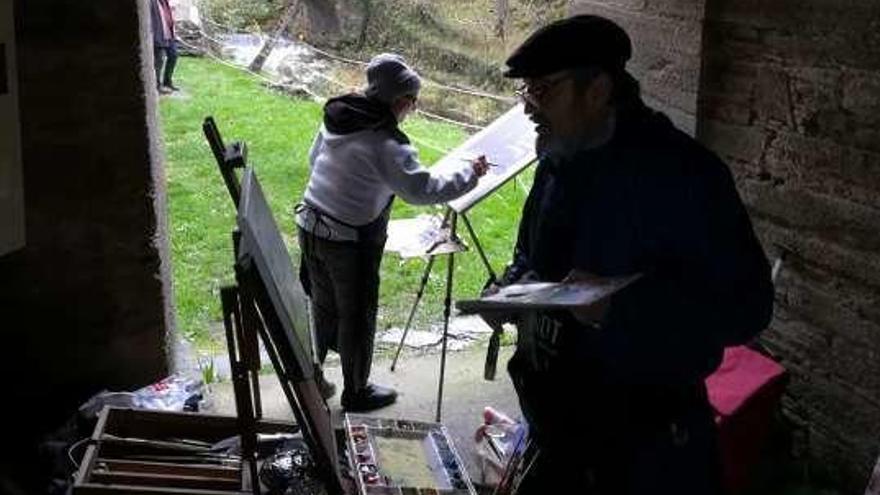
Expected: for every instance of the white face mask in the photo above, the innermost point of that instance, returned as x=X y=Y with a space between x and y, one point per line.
x=406 y=110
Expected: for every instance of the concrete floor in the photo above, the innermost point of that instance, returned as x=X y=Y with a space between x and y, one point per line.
x=465 y=394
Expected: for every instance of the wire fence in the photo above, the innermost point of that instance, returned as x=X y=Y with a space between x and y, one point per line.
x=227 y=30
x=362 y=63
x=419 y=140
x=314 y=73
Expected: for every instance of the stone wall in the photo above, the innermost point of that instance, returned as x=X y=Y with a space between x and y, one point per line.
x=667 y=36
x=86 y=304
x=788 y=93
x=11 y=199
x=791 y=99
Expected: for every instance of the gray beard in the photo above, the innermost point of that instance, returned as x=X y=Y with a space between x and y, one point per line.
x=558 y=147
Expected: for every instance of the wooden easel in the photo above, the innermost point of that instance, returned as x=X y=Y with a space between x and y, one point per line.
x=251 y=314
x=244 y=351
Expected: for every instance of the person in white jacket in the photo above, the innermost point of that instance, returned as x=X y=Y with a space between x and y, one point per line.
x=359 y=162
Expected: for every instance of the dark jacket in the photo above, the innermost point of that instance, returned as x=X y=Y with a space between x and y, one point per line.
x=653 y=201
x=159 y=38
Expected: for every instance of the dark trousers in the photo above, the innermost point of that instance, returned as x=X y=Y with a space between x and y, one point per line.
x=654 y=463
x=165 y=60
x=343 y=280
x=602 y=435
x=624 y=456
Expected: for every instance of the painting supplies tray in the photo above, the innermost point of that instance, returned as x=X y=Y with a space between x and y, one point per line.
x=403 y=457
x=547 y=295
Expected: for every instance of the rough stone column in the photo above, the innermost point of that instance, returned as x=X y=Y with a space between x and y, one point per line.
x=11 y=189
x=788 y=92
x=86 y=305
x=791 y=99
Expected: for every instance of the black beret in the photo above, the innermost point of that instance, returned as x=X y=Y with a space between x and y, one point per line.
x=579 y=41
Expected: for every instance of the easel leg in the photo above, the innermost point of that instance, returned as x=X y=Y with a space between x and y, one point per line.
x=446 y=217
x=495 y=339
x=483 y=257
x=447 y=305
x=240 y=344
x=412 y=310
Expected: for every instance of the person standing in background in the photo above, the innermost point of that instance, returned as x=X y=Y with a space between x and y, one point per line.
x=164 y=45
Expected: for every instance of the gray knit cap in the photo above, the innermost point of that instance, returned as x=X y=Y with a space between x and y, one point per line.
x=388 y=77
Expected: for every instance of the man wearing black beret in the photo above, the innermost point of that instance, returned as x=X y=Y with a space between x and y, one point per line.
x=614 y=396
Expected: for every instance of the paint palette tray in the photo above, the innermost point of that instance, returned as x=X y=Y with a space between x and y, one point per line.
x=403 y=457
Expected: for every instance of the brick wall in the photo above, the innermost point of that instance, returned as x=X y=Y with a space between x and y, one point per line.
x=791 y=99
x=788 y=93
x=667 y=36
x=86 y=304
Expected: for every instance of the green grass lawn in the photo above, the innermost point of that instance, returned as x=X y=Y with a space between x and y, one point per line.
x=279 y=131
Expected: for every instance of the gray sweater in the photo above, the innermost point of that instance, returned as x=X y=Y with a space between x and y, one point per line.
x=353 y=177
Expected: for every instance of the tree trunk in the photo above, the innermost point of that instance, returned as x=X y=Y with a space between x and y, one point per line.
x=323 y=20
x=502 y=10
x=288 y=17
x=365 y=23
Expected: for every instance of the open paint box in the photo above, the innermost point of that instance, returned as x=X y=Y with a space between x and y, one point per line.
x=404 y=457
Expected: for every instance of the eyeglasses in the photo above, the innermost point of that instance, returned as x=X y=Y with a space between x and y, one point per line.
x=536 y=93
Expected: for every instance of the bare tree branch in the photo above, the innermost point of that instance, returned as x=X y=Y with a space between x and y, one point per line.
x=502 y=11
x=290 y=13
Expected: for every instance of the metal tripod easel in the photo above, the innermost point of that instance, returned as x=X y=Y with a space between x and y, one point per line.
x=450 y=220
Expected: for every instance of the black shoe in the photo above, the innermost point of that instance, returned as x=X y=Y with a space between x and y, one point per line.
x=327 y=389
x=171 y=87
x=370 y=397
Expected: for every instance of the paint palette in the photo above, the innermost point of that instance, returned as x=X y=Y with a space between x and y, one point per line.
x=403 y=457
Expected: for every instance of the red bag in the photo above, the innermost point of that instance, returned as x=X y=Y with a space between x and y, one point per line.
x=744 y=391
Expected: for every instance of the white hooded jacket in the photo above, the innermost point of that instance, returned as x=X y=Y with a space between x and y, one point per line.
x=354 y=176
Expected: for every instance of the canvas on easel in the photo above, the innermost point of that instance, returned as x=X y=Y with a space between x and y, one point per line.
x=267 y=283
x=508 y=144
x=269 y=303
